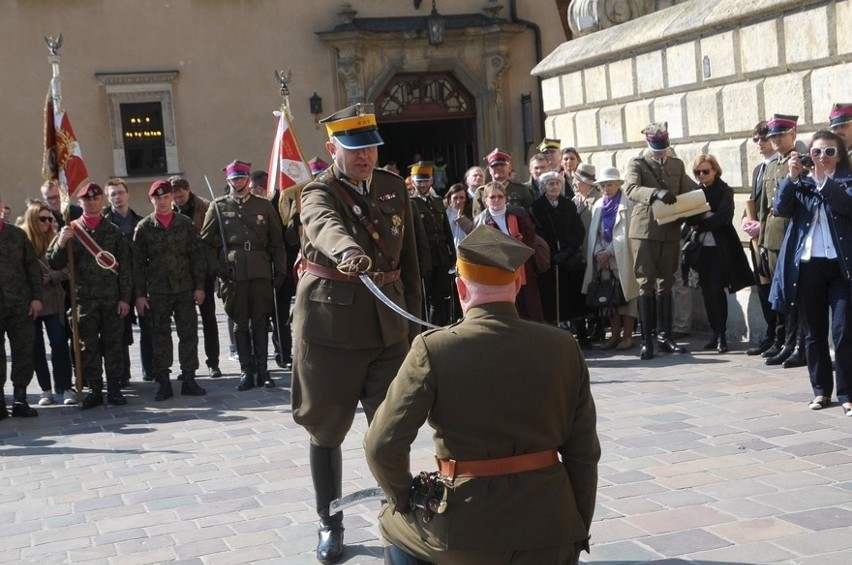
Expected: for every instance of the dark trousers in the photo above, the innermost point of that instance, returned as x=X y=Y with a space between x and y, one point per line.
x=207 y=312
x=822 y=288
x=18 y=326
x=712 y=275
x=60 y=356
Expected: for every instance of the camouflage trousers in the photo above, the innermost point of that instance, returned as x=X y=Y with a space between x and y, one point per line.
x=15 y=323
x=101 y=336
x=182 y=306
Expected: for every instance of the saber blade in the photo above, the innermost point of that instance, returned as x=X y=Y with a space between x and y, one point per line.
x=366 y=495
x=368 y=282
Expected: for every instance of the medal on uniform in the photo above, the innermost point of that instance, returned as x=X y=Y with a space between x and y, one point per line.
x=394 y=231
x=396 y=220
x=260 y=218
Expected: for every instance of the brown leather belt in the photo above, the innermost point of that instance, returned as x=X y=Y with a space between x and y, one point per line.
x=503 y=466
x=378 y=277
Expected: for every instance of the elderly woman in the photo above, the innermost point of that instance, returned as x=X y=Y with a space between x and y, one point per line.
x=815 y=273
x=513 y=220
x=557 y=222
x=609 y=253
x=721 y=262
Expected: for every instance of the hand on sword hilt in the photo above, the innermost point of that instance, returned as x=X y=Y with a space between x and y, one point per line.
x=354 y=262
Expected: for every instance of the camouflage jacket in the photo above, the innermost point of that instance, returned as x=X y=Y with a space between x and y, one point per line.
x=20 y=273
x=167 y=261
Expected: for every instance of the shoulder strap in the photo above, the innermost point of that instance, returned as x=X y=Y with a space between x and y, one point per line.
x=359 y=215
x=103 y=258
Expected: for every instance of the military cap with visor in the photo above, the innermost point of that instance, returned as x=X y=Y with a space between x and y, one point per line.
x=488 y=256
x=354 y=127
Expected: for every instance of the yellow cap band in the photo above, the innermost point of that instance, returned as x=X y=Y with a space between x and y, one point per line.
x=361 y=122
x=485 y=274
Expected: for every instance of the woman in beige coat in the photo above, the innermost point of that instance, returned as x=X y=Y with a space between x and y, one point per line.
x=608 y=249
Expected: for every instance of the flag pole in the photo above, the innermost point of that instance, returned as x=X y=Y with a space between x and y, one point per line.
x=53 y=45
x=284 y=89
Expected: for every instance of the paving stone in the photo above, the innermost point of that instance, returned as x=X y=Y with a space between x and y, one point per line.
x=685 y=542
x=821 y=518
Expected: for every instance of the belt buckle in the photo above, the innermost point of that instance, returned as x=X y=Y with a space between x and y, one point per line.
x=247 y=246
x=379 y=278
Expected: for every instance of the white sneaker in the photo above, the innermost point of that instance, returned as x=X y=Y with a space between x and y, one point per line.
x=46 y=398
x=70 y=398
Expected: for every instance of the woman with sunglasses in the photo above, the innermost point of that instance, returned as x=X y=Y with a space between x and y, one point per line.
x=40 y=227
x=722 y=262
x=815 y=259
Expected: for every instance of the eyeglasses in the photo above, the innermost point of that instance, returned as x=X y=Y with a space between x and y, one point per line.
x=762 y=138
x=701 y=172
x=828 y=151
x=45 y=219
x=496 y=197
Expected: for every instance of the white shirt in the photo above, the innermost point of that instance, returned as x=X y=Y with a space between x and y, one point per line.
x=818 y=242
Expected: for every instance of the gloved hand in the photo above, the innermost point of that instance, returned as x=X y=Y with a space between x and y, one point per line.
x=665 y=196
x=278 y=281
x=225 y=274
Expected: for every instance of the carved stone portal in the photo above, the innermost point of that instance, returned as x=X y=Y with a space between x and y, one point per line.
x=587 y=16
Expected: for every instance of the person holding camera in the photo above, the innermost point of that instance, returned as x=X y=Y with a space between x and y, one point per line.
x=815 y=270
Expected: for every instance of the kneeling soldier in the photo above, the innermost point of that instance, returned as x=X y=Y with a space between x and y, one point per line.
x=168 y=275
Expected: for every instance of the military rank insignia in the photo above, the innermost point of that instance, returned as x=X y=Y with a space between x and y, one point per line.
x=386 y=197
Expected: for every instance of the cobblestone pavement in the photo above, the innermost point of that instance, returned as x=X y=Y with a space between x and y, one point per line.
x=707 y=459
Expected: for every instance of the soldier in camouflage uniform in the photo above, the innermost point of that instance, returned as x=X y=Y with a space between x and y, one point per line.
x=20 y=304
x=253 y=245
x=103 y=286
x=168 y=279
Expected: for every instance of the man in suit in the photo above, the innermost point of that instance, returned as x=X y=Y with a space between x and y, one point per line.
x=655 y=175
x=517 y=465
x=347 y=344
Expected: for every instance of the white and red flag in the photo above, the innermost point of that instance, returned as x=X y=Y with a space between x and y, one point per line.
x=63 y=161
x=287 y=166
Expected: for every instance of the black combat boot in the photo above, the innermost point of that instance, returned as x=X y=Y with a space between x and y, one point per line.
x=242 y=339
x=4 y=412
x=327 y=475
x=114 y=396
x=797 y=358
x=791 y=331
x=260 y=341
x=647 y=313
x=188 y=386
x=20 y=408
x=95 y=396
x=664 y=313
x=164 y=392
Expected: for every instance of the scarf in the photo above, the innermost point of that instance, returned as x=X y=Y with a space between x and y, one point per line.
x=165 y=219
x=608 y=213
x=92 y=222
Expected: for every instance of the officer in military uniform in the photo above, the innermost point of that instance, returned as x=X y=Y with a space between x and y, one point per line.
x=655 y=175
x=244 y=263
x=347 y=344
x=550 y=149
x=20 y=304
x=840 y=122
x=437 y=283
x=169 y=268
x=104 y=285
x=500 y=167
x=517 y=465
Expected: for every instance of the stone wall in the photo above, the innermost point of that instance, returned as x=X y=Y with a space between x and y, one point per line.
x=712 y=71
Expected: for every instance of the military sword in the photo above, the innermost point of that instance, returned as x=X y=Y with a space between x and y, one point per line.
x=377 y=292
x=218 y=220
x=365 y=495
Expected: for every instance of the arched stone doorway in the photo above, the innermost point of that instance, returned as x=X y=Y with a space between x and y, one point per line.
x=430 y=115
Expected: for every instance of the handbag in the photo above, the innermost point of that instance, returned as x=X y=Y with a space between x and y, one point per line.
x=604 y=293
x=541 y=257
x=691 y=250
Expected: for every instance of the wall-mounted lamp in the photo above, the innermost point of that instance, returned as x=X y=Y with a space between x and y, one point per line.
x=316 y=107
x=435 y=23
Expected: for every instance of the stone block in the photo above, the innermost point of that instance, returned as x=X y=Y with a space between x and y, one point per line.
x=551 y=94
x=703 y=111
x=731 y=155
x=719 y=49
x=740 y=106
x=688 y=152
x=572 y=90
x=671 y=109
x=785 y=94
x=611 y=125
x=842 y=17
x=637 y=115
x=594 y=79
x=827 y=86
x=621 y=83
x=649 y=72
x=600 y=159
x=681 y=66
x=624 y=156
x=759 y=47
x=587 y=128
x=563 y=129
x=806 y=35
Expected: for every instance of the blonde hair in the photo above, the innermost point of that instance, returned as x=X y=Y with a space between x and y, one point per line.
x=39 y=239
x=490 y=187
x=708 y=159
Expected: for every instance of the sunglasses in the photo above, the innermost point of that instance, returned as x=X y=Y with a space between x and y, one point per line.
x=701 y=172
x=760 y=138
x=828 y=151
x=45 y=219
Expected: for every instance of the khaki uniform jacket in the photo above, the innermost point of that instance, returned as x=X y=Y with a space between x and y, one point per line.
x=20 y=272
x=491 y=386
x=640 y=183
x=346 y=314
x=167 y=261
x=255 y=241
x=772 y=227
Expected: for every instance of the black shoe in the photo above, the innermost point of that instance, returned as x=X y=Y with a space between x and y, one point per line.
x=722 y=347
x=246 y=382
x=712 y=344
x=796 y=359
x=283 y=362
x=646 y=351
x=215 y=372
x=116 y=399
x=773 y=350
x=21 y=409
x=4 y=412
x=92 y=399
x=147 y=378
x=165 y=391
x=124 y=382
x=190 y=388
x=669 y=346
x=585 y=344
x=760 y=347
x=267 y=381
x=330 y=543
x=782 y=356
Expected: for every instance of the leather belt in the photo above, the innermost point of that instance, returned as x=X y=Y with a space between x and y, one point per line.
x=378 y=277
x=451 y=468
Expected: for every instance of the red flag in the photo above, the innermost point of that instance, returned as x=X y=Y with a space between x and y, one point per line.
x=63 y=161
x=287 y=166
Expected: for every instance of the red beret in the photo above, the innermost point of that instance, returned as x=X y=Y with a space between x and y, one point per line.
x=90 y=190
x=159 y=188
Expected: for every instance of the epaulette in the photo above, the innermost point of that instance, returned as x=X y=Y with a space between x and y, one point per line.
x=387 y=172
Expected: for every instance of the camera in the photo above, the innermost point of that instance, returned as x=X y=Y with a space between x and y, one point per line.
x=806 y=161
